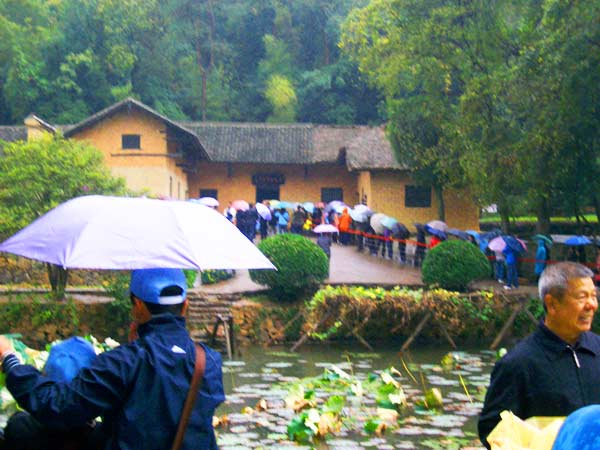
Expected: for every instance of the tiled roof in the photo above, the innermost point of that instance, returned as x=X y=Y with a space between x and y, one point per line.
x=363 y=147
x=13 y=133
x=371 y=149
x=255 y=142
x=132 y=104
x=359 y=147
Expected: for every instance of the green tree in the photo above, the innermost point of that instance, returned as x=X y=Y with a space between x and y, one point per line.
x=37 y=175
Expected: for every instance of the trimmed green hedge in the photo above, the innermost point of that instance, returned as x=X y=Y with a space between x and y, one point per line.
x=301 y=266
x=453 y=265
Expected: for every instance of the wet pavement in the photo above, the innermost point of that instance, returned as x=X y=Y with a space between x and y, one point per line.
x=349 y=266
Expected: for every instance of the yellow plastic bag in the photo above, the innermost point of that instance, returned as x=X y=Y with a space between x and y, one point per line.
x=535 y=433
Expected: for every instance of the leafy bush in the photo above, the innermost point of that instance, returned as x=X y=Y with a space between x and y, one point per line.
x=453 y=265
x=301 y=266
x=214 y=276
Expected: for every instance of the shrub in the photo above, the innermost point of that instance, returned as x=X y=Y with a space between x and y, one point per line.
x=453 y=265
x=214 y=276
x=301 y=266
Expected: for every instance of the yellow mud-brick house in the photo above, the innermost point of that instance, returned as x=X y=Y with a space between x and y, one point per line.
x=256 y=161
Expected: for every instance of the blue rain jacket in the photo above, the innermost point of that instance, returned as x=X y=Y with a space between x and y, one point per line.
x=138 y=389
x=541 y=256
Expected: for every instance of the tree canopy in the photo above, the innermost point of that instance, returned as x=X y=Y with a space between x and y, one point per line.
x=243 y=60
x=498 y=96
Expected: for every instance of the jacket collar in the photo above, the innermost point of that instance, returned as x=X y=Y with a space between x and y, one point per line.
x=162 y=322
x=554 y=346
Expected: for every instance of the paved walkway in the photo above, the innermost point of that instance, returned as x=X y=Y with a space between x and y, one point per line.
x=349 y=266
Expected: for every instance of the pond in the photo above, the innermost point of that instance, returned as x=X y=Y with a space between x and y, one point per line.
x=261 y=378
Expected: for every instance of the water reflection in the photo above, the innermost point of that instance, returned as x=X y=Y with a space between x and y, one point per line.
x=259 y=374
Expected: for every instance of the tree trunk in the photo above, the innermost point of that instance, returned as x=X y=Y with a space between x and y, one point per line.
x=439 y=193
x=58 y=278
x=543 y=217
x=203 y=101
x=504 y=212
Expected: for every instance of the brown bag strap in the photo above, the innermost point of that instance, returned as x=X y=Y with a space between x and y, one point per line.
x=191 y=397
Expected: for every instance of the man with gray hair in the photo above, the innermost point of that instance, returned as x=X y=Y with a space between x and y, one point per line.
x=555 y=370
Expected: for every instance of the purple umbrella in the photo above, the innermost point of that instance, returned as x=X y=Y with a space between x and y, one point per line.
x=98 y=232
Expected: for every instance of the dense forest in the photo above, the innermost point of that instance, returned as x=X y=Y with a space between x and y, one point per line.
x=235 y=60
x=501 y=97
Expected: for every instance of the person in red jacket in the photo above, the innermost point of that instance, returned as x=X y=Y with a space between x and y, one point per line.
x=344 y=226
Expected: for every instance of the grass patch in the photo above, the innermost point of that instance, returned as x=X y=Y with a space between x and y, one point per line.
x=495 y=218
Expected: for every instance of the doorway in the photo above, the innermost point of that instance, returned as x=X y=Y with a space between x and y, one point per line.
x=267 y=193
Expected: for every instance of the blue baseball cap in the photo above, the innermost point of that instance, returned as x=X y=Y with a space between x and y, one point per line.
x=147 y=284
x=68 y=357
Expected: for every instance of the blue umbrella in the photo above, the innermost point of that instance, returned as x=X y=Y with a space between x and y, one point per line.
x=459 y=233
x=514 y=244
x=389 y=222
x=436 y=232
x=577 y=240
x=400 y=231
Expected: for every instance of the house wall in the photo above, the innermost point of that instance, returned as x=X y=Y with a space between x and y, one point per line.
x=153 y=167
x=387 y=195
x=300 y=184
x=364 y=187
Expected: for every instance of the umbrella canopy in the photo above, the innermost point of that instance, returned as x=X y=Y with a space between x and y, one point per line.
x=118 y=233
x=435 y=232
x=325 y=228
x=287 y=205
x=577 y=240
x=361 y=216
x=362 y=208
x=340 y=208
x=499 y=243
x=474 y=234
x=309 y=207
x=333 y=205
x=263 y=211
x=543 y=237
x=376 y=222
x=436 y=225
x=274 y=203
x=400 y=231
x=389 y=222
x=209 y=201
x=459 y=233
x=240 y=205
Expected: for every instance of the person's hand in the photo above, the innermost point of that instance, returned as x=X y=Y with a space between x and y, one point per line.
x=5 y=346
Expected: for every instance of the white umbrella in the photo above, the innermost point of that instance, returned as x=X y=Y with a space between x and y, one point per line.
x=263 y=211
x=99 y=232
x=209 y=201
x=325 y=228
x=376 y=222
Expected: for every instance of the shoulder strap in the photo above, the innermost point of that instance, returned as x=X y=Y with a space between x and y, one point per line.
x=191 y=397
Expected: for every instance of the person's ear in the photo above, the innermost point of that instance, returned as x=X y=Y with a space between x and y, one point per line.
x=551 y=302
x=184 y=308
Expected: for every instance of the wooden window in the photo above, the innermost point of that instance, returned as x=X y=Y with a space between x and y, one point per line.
x=330 y=194
x=130 y=141
x=417 y=196
x=209 y=193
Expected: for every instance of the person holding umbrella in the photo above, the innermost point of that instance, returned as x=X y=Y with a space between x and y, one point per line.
x=542 y=255
x=139 y=389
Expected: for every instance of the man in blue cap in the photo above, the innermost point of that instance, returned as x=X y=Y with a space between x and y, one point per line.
x=138 y=389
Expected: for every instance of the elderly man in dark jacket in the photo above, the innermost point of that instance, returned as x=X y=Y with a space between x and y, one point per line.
x=556 y=370
x=139 y=388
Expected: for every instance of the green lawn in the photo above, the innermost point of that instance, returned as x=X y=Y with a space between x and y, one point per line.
x=494 y=218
